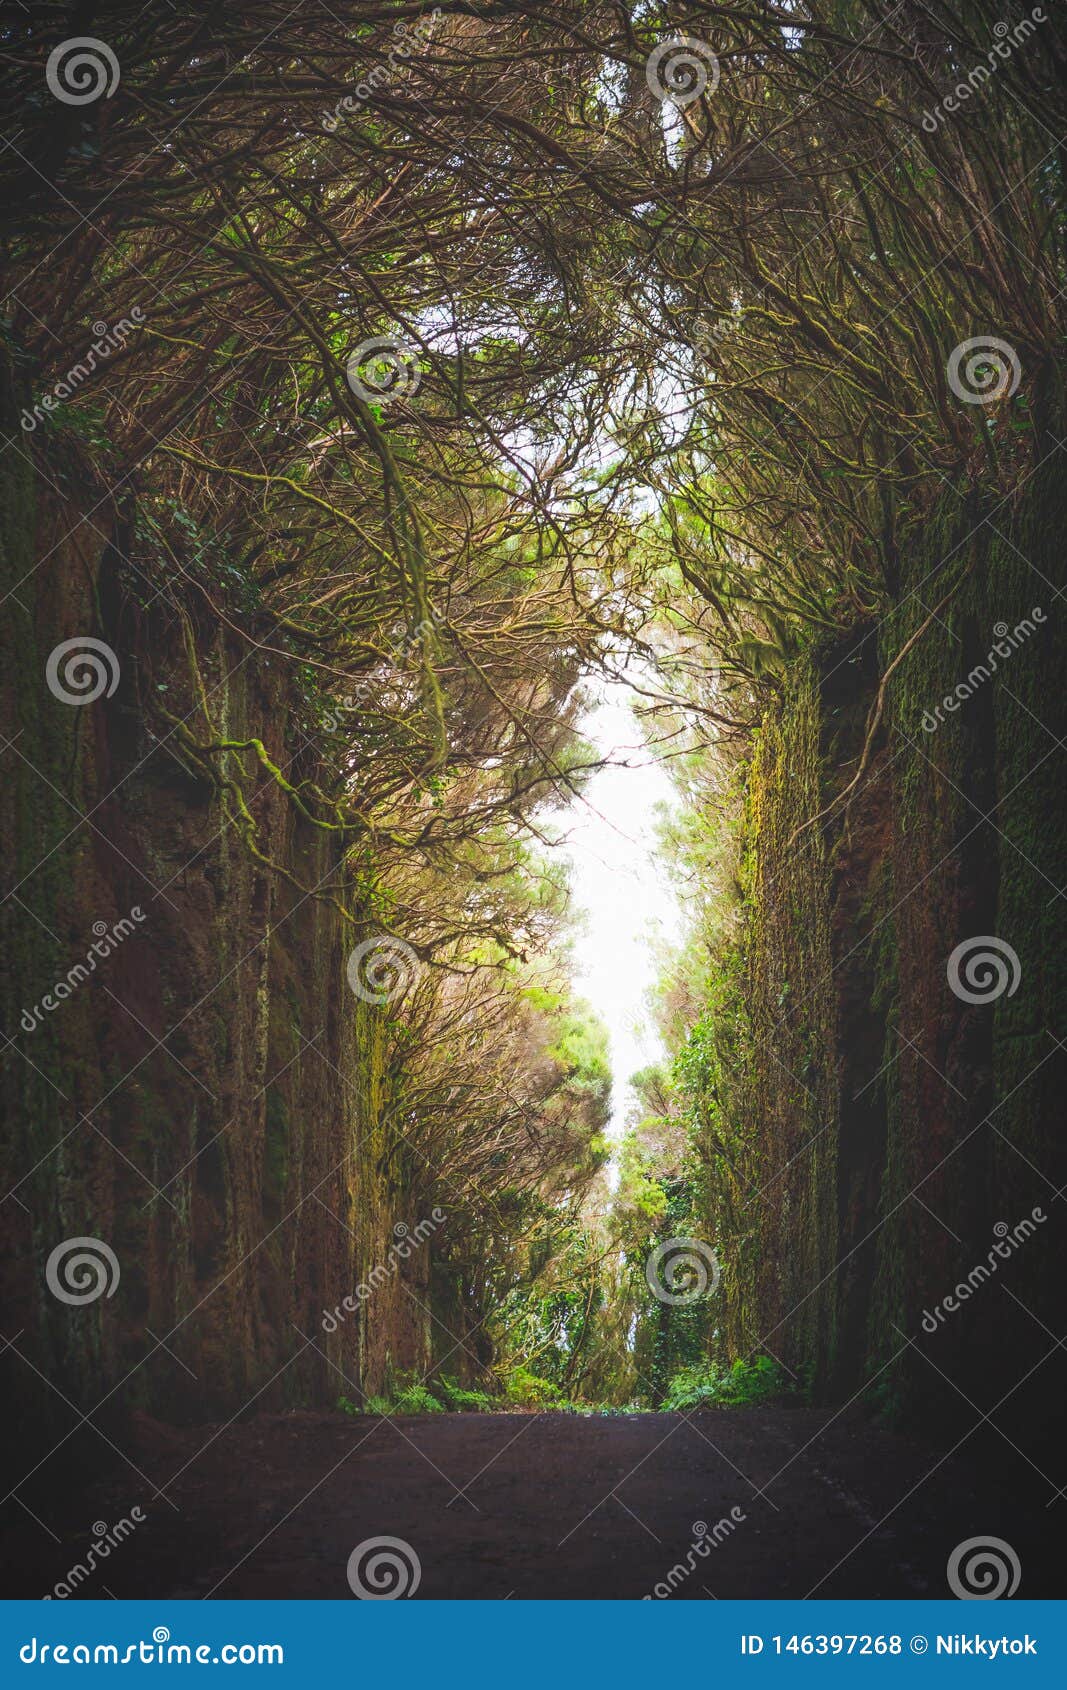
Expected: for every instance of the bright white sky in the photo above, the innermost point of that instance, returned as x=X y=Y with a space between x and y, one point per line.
x=629 y=906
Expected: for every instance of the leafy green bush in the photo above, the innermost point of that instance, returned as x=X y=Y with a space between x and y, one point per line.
x=446 y=1395
x=710 y=1383
x=371 y=1405
x=416 y=1399
x=454 y=1397
x=528 y=1391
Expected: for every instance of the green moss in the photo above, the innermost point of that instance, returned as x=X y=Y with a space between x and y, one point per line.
x=846 y=931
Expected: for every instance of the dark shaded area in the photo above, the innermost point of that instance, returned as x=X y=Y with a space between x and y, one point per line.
x=522 y=1506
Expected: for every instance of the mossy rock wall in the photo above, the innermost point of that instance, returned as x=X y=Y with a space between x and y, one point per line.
x=209 y=1101
x=890 y=1128
x=974 y=1091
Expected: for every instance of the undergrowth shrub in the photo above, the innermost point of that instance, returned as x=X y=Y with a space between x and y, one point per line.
x=415 y=1396
x=711 y=1383
x=527 y=1390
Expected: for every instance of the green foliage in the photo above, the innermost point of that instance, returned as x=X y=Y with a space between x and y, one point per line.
x=415 y=1396
x=374 y=1405
x=640 y=1185
x=454 y=1397
x=709 y=1384
x=370 y=1405
x=417 y=1399
x=527 y=1390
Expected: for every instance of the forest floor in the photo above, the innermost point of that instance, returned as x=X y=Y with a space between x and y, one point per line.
x=524 y=1505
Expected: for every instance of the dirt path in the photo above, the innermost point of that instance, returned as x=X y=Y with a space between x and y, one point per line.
x=540 y=1506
